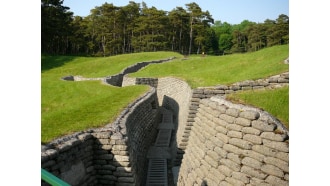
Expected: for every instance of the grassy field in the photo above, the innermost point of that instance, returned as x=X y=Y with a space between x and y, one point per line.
x=213 y=70
x=76 y=106
x=68 y=106
x=274 y=101
x=97 y=66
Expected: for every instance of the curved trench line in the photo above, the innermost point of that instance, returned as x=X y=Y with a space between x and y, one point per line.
x=116 y=80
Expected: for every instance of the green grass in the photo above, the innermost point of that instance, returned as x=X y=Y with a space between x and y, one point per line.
x=68 y=106
x=274 y=101
x=74 y=106
x=98 y=66
x=213 y=70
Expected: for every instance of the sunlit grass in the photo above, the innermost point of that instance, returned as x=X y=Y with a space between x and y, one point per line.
x=213 y=70
x=98 y=66
x=76 y=106
x=274 y=101
x=68 y=106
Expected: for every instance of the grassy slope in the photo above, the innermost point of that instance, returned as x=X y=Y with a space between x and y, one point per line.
x=214 y=70
x=68 y=106
x=81 y=105
x=276 y=101
x=72 y=106
x=98 y=66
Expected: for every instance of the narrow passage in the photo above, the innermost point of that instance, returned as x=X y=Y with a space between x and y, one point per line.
x=160 y=153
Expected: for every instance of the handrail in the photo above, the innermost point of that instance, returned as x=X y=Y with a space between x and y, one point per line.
x=51 y=179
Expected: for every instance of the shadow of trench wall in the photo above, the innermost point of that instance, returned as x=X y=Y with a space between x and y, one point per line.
x=170 y=104
x=175 y=95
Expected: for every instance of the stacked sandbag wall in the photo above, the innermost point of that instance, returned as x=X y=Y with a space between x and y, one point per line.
x=232 y=144
x=112 y=155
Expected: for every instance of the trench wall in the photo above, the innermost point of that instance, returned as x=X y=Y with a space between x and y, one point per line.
x=221 y=90
x=113 y=155
x=232 y=144
x=175 y=95
x=183 y=100
x=117 y=79
x=116 y=154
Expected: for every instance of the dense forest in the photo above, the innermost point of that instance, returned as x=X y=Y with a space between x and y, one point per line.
x=110 y=30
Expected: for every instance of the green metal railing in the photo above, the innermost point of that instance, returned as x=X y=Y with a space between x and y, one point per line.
x=51 y=179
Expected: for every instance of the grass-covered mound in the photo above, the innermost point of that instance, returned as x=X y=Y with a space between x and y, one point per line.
x=68 y=106
x=201 y=71
x=274 y=101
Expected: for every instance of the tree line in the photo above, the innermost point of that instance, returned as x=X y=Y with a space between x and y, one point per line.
x=111 y=30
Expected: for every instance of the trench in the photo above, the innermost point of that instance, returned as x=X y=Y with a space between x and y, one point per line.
x=162 y=153
x=117 y=79
x=159 y=154
x=178 y=107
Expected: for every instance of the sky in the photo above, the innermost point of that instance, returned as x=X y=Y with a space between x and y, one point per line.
x=230 y=11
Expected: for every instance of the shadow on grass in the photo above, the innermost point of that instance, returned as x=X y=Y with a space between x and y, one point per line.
x=48 y=62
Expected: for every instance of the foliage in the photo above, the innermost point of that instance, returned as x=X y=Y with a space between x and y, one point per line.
x=274 y=101
x=111 y=30
x=55 y=26
x=250 y=36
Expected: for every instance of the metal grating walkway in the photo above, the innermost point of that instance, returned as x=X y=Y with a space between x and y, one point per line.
x=163 y=138
x=167 y=117
x=157 y=172
x=160 y=152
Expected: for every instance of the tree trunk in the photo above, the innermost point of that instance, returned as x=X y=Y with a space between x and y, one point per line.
x=173 y=39
x=124 y=44
x=191 y=31
x=103 y=45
